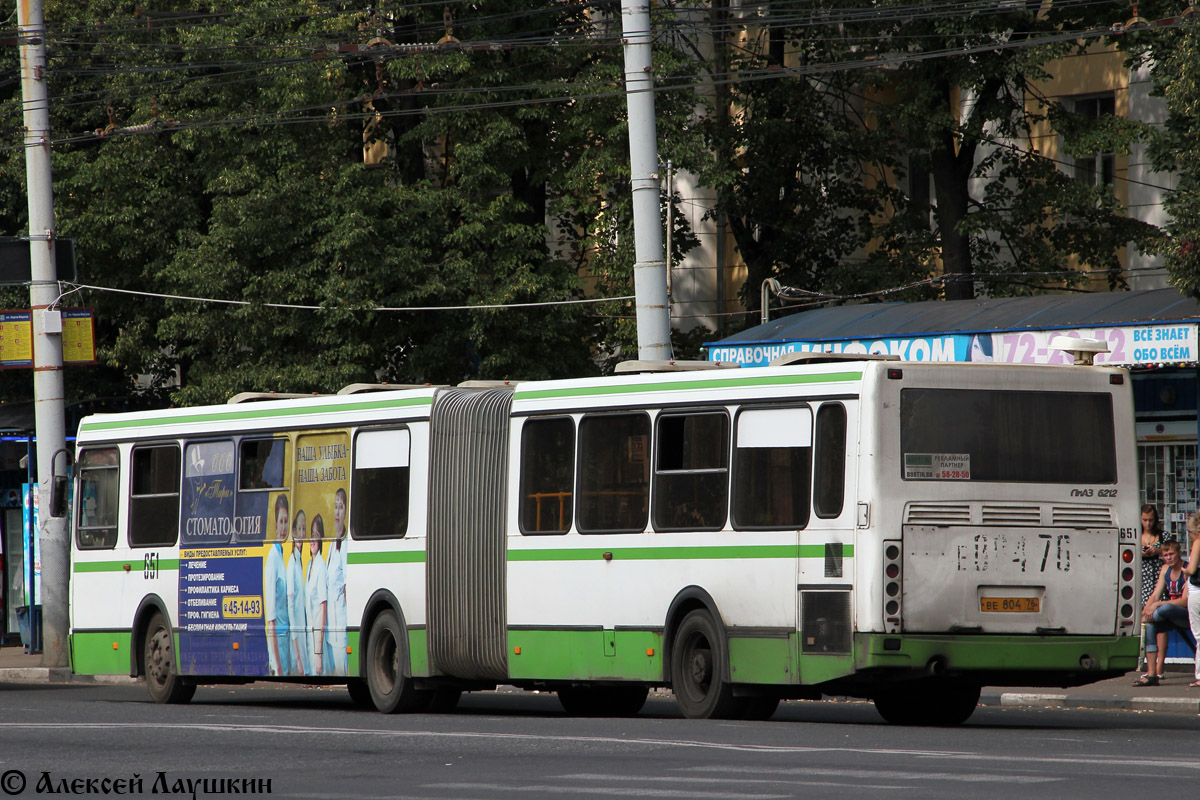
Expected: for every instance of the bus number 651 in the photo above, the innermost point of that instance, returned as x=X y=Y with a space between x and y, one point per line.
x=150 y=566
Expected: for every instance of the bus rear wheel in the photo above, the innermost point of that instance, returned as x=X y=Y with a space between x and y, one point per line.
x=944 y=705
x=162 y=679
x=758 y=709
x=392 y=690
x=697 y=671
x=603 y=701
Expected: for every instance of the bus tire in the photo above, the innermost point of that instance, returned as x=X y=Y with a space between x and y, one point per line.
x=697 y=670
x=759 y=709
x=943 y=705
x=360 y=694
x=165 y=683
x=443 y=700
x=603 y=701
x=392 y=691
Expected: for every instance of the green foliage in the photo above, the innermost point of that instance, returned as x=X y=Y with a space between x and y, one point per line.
x=824 y=174
x=215 y=153
x=1174 y=56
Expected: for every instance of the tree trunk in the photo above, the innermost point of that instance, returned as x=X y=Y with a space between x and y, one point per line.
x=951 y=161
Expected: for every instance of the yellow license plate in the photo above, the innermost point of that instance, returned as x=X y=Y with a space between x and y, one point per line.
x=1018 y=605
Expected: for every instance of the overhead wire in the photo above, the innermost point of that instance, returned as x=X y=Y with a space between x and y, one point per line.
x=75 y=287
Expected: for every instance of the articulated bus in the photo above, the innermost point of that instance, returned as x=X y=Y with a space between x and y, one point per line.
x=899 y=531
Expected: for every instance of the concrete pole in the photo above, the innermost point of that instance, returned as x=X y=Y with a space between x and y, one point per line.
x=47 y=330
x=650 y=269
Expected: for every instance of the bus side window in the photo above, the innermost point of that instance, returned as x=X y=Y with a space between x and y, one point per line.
x=154 y=497
x=772 y=469
x=830 y=488
x=379 y=484
x=99 y=497
x=614 y=473
x=691 y=475
x=547 y=475
x=263 y=464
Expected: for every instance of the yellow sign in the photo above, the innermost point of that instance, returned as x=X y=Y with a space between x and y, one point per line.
x=16 y=337
x=241 y=607
x=79 y=336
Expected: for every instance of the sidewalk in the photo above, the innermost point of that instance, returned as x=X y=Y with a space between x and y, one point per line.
x=1172 y=695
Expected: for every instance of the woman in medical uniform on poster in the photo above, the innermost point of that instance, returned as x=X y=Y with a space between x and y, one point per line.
x=335 y=627
x=317 y=594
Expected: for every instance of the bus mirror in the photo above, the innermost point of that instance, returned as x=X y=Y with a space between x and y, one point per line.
x=59 y=485
x=58 y=496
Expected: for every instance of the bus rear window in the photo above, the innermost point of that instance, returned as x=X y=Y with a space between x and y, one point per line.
x=1014 y=436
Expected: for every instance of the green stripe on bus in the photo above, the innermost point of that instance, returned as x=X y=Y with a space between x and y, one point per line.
x=249 y=414
x=100 y=653
x=565 y=554
x=134 y=564
x=407 y=557
x=585 y=655
x=686 y=553
x=710 y=383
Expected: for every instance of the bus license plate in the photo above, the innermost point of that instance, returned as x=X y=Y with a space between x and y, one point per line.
x=1019 y=605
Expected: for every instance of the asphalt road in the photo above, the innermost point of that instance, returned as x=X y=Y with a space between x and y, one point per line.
x=312 y=743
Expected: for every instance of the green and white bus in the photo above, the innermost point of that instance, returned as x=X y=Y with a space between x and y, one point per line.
x=905 y=532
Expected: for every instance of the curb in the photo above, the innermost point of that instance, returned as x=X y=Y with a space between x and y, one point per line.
x=1172 y=705
x=60 y=675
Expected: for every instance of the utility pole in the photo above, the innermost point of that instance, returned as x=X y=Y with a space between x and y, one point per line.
x=650 y=269
x=47 y=329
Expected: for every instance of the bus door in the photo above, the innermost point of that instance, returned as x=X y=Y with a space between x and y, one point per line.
x=99 y=571
x=827 y=547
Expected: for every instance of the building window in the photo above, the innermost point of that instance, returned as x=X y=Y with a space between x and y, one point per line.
x=1098 y=168
x=691 y=476
x=614 y=473
x=772 y=469
x=547 y=475
x=154 y=497
x=99 y=474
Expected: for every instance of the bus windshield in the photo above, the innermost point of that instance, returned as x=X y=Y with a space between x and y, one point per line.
x=1014 y=436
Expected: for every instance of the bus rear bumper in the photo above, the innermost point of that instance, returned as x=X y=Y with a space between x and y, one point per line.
x=996 y=660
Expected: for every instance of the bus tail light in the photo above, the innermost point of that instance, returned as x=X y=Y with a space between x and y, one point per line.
x=892 y=592
x=1128 y=589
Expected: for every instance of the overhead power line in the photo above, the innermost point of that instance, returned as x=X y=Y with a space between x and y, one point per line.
x=364 y=308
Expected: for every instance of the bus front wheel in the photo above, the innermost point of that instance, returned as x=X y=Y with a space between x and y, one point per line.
x=697 y=671
x=360 y=694
x=392 y=690
x=162 y=679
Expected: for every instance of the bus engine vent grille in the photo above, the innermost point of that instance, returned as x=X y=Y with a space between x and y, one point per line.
x=992 y=514
x=1081 y=516
x=938 y=514
x=825 y=622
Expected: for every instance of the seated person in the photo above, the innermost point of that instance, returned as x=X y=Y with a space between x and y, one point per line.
x=1167 y=609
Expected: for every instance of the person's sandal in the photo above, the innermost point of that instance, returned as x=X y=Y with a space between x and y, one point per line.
x=1146 y=680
